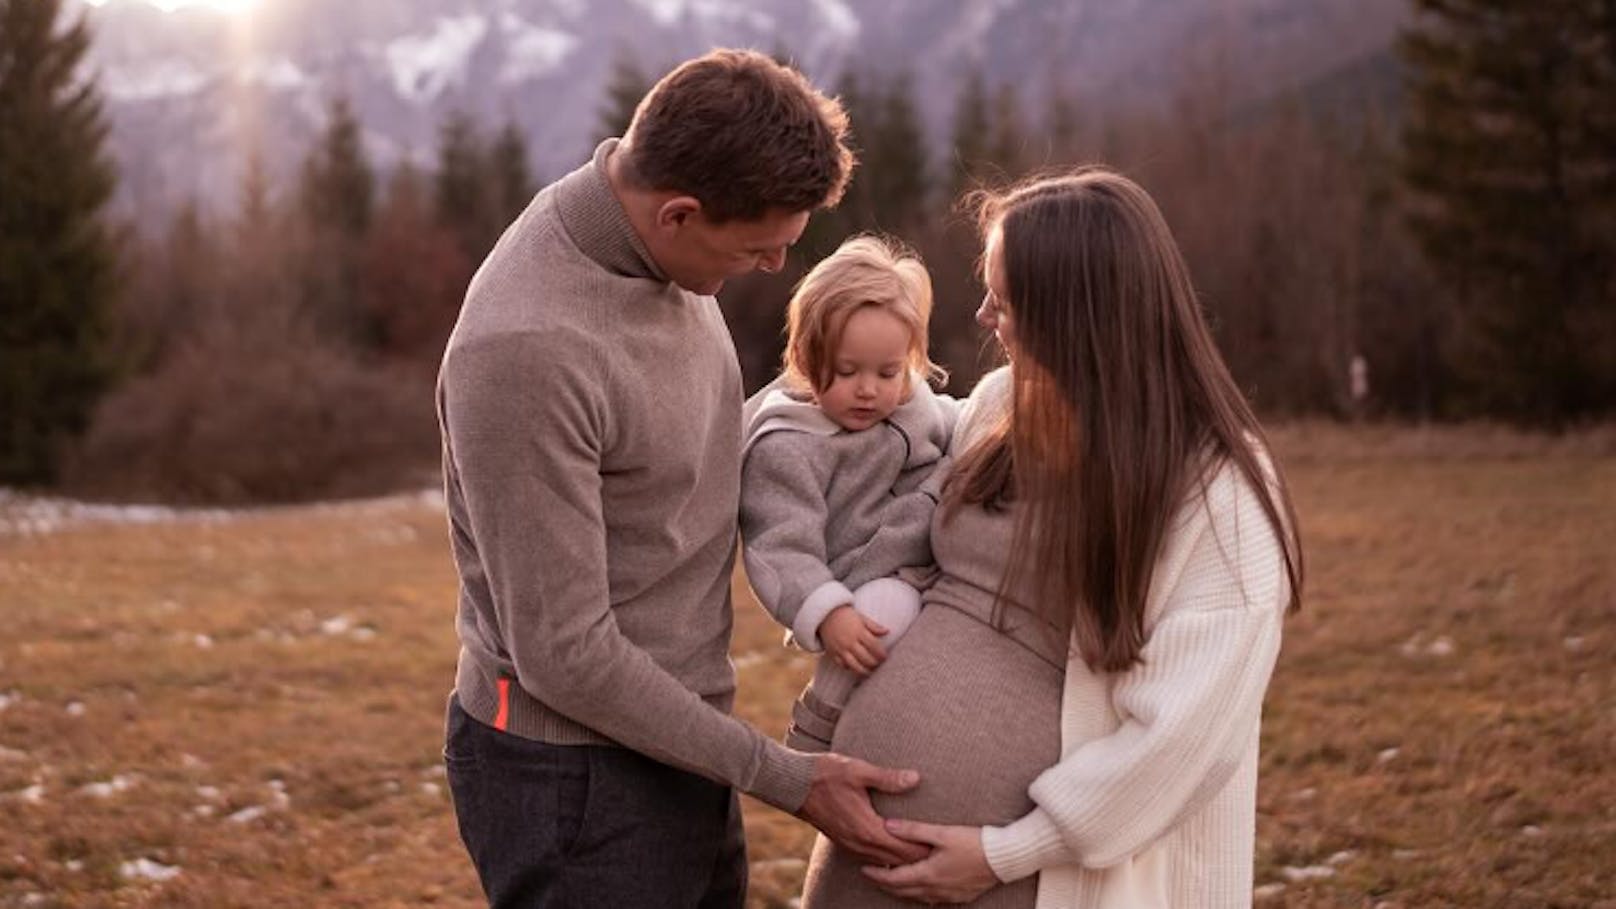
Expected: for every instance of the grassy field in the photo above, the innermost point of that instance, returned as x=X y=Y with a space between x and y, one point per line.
x=245 y=709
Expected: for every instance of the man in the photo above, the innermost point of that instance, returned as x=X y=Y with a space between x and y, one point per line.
x=590 y=402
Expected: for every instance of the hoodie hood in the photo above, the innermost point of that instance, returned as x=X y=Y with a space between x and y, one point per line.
x=925 y=420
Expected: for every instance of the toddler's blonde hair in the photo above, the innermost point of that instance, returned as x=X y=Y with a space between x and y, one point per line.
x=864 y=271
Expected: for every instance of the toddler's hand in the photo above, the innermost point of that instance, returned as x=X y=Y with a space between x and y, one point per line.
x=853 y=640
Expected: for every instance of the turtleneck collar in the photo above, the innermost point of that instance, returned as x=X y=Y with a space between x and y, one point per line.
x=597 y=223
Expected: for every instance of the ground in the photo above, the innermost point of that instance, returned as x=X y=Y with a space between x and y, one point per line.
x=226 y=709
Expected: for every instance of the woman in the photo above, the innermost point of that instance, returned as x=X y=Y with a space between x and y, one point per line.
x=1082 y=692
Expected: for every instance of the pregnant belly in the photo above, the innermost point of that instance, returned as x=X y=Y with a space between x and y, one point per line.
x=976 y=712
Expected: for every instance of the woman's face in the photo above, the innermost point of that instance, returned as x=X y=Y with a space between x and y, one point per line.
x=994 y=313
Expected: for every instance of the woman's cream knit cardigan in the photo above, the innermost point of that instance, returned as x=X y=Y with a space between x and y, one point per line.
x=1153 y=803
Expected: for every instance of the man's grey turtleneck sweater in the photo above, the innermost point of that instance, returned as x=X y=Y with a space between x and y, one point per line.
x=591 y=416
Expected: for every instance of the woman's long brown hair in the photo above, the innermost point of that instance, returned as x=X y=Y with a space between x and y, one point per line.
x=1122 y=408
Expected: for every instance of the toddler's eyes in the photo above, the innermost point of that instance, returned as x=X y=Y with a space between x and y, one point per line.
x=889 y=373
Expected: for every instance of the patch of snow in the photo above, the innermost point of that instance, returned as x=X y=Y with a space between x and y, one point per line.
x=1387 y=756
x=1267 y=891
x=211 y=793
x=1575 y=643
x=665 y=12
x=12 y=755
x=248 y=815
x=192 y=762
x=33 y=795
x=532 y=52
x=339 y=624
x=74 y=865
x=1404 y=855
x=203 y=810
x=109 y=788
x=1531 y=831
x=26 y=515
x=1341 y=858
x=164 y=78
x=363 y=634
x=838 y=17
x=8 y=700
x=431 y=789
x=74 y=708
x=144 y=869
x=1304 y=795
x=1415 y=646
x=202 y=642
x=279 y=73
x=1309 y=873
x=422 y=66
x=785 y=864
x=30 y=516
x=748 y=659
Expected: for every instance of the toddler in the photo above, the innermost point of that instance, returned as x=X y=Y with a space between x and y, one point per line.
x=842 y=468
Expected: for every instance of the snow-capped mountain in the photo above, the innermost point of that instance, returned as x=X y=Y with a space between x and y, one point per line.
x=192 y=91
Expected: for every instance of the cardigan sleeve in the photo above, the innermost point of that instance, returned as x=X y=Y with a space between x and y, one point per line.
x=1188 y=709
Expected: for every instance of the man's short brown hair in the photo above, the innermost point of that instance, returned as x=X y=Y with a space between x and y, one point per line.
x=743 y=135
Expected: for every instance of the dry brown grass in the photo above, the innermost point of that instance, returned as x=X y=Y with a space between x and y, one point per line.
x=1442 y=711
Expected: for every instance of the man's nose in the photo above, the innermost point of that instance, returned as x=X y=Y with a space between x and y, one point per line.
x=771 y=262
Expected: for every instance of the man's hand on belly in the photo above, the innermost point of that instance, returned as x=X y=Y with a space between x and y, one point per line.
x=838 y=804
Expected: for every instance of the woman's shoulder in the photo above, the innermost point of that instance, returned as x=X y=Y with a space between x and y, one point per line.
x=988 y=402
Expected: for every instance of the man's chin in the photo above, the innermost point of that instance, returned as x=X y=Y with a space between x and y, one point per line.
x=705 y=289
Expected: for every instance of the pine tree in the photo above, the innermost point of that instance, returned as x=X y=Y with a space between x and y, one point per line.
x=512 y=175
x=972 y=137
x=857 y=210
x=1064 y=124
x=626 y=85
x=464 y=195
x=1008 y=148
x=253 y=210
x=337 y=198
x=339 y=184
x=1516 y=208
x=415 y=272
x=896 y=158
x=56 y=254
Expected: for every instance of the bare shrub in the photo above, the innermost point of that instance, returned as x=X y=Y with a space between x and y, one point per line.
x=225 y=421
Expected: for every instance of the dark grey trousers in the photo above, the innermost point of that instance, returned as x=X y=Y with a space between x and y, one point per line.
x=577 y=826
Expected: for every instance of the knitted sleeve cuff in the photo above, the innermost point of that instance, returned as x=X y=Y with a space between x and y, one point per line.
x=784 y=777
x=1024 y=847
x=815 y=607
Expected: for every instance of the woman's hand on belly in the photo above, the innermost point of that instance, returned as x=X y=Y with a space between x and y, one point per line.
x=957 y=870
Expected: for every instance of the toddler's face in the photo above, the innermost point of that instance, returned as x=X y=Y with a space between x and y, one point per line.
x=869 y=372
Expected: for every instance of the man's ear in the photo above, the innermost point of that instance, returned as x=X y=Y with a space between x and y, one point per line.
x=677 y=211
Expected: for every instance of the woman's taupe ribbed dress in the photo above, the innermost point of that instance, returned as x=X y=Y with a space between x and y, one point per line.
x=975 y=709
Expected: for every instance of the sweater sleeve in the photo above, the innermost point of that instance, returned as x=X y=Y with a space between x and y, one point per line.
x=783 y=514
x=526 y=425
x=1189 y=709
x=903 y=540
